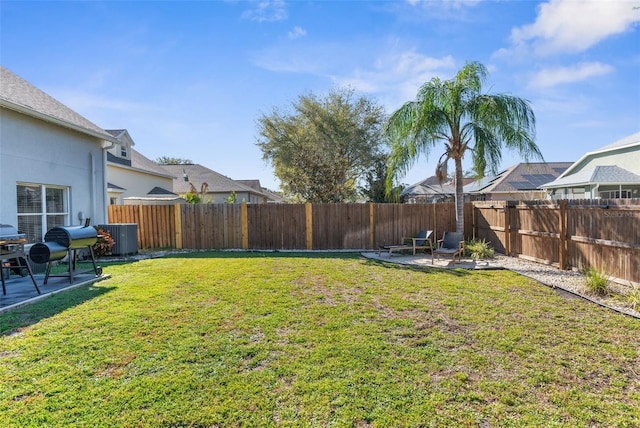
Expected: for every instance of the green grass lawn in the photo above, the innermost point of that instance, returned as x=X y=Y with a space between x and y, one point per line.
x=242 y=339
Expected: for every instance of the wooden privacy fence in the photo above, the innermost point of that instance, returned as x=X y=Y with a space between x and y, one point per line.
x=568 y=234
x=604 y=234
x=282 y=226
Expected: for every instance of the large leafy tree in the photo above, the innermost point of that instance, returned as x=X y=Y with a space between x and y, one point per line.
x=321 y=149
x=458 y=115
x=374 y=187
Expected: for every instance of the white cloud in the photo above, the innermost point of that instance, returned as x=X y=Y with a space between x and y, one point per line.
x=573 y=26
x=267 y=11
x=297 y=32
x=397 y=77
x=558 y=75
x=394 y=75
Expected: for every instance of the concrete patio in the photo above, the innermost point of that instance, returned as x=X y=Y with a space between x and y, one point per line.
x=424 y=260
x=21 y=291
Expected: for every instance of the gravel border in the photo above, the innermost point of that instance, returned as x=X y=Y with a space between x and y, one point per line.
x=570 y=281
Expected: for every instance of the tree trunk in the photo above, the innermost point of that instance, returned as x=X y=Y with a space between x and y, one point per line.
x=459 y=197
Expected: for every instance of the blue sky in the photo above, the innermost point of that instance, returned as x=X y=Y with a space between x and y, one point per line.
x=190 y=79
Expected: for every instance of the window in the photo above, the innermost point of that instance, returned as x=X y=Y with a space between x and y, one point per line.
x=41 y=207
x=113 y=200
x=616 y=194
x=123 y=151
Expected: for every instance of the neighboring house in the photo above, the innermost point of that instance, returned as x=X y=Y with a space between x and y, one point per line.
x=135 y=180
x=272 y=198
x=218 y=188
x=520 y=182
x=52 y=161
x=610 y=172
x=429 y=190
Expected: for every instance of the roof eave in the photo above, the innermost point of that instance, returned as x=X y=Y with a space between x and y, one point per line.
x=30 y=112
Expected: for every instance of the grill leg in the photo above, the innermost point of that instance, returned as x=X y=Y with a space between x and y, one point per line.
x=26 y=264
x=4 y=290
x=47 y=272
x=72 y=264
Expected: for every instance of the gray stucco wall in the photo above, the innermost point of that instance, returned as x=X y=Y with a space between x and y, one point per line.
x=38 y=152
x=628 y=158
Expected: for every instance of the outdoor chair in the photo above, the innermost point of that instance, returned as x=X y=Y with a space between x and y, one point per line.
x=421 y=241
x=452 y=243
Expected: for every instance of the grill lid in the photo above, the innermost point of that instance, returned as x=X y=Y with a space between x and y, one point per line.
x=9 y=234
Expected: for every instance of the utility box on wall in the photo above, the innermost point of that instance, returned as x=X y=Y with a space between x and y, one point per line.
x=126 y=237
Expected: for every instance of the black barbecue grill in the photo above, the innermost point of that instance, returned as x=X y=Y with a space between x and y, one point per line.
x=62 y=241
x=12 y=255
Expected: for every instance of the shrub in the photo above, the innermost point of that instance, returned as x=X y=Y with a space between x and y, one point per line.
x=634 y=297
x=596 y=281
x=105 y=244
x=479 y=249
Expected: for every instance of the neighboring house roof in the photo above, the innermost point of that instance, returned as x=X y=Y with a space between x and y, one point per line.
x=19 y=95
x=423 y=189
x=629 y=141
x=140 y=163
x=574 y=176
x=521 y=177
x=118 y=133
x=160 y=191
x=431 y=186
x=602 y=174
x=198 y=174
x=114 y=187
x=254 y=184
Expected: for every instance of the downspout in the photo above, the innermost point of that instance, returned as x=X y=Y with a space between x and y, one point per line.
x=106 y=145
x=92 y=185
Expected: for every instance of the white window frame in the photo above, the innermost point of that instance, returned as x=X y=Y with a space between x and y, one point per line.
x=43 y=203
x=616 y=194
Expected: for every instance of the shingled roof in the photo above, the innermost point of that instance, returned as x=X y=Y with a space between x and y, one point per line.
x=19 y=95
x=521 y=177
x=198 y=174
x=603 y=174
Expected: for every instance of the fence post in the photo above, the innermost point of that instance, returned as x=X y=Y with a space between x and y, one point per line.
x=507 y=230
x=309 y=225
x=372 y=237
x=178 y=225
x=244 y=220
x=562 y=242
x=142 y=228
x=474 y=221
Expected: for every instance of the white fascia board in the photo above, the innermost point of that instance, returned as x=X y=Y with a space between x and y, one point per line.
x=104 y=136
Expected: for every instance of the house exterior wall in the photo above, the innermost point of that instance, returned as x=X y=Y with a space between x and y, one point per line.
x=628 y=158
x=37 y=152
x=136 y=183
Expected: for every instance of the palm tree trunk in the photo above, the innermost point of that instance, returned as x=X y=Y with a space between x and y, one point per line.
x=459 y=196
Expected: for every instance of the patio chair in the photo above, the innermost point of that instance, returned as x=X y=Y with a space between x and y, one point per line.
x=421 y=241
x=452 y=243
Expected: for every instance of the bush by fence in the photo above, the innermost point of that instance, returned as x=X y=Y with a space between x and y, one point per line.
x=578 y=234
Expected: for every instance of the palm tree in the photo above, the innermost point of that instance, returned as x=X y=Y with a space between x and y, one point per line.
x=457 y=113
